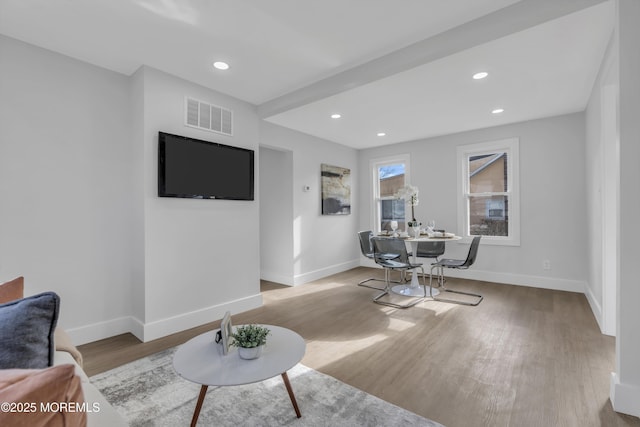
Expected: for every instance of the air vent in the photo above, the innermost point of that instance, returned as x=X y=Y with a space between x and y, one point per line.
x=209 y=117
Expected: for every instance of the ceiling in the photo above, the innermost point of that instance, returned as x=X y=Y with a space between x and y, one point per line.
x=399 y=67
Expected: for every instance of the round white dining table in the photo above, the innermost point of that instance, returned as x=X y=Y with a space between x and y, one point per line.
x=414 y=288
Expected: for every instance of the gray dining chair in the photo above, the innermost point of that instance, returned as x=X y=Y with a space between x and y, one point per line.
x=432 y=250
x=460 y=264
x=391 y=254
x=366 y=247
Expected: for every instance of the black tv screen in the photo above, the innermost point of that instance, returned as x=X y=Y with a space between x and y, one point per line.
x=192 y=168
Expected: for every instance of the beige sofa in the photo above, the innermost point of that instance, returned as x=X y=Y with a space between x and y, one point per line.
x=106 y=416
x=37 y=365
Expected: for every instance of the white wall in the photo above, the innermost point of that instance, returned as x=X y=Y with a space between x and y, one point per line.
x=201 y=256
x=65 y=175
x=322 y=244
x=80 y=213
x=552 y=189
x=625 y=382
x=601 y=178
x=276 y=215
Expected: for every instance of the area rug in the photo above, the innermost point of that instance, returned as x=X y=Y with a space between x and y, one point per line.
x=148 y=392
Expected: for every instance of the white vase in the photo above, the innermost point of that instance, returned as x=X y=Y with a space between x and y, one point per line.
x=250 y=353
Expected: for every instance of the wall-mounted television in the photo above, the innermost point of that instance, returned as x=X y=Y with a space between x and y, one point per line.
x=196 y=169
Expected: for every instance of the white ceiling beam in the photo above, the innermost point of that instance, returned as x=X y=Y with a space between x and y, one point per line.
x=514 y=18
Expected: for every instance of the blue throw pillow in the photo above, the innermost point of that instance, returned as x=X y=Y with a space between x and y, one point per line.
x=26 y=331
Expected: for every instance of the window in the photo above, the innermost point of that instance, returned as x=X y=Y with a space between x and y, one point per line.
x=389 y=175
x=489 y=192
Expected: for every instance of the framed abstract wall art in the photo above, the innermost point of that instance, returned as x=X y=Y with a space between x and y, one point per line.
x=336 y=190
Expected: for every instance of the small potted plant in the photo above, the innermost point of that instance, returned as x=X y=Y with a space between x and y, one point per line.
x=250 y=340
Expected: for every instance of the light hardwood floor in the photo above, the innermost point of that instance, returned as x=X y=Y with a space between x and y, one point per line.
x=523 y=357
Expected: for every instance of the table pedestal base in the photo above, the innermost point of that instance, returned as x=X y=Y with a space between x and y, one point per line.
x=414 y=289
x=410 y=291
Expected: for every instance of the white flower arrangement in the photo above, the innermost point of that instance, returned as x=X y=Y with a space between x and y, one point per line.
x=410 y=194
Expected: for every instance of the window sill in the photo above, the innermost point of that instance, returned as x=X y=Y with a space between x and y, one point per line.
x=493 y=241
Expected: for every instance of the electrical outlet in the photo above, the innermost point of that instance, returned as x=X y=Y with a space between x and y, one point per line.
x=546 y=264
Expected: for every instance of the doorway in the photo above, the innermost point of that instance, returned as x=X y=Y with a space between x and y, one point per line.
x=276 y=215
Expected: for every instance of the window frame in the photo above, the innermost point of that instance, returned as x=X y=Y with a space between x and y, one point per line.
x=374 y=165
x=464 y=152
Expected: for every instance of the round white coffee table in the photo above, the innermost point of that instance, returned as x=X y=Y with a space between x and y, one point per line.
x=200 y=360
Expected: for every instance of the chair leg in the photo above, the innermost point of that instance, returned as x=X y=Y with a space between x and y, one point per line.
x=440 y=278
x=394 y=305
x=386 y=291
x=444 y=289
x=362 y=283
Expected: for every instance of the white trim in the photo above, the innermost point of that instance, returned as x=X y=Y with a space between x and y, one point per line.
x=309 y=276
x=300 y=279
x=463 y=152
x=553 y=283
x=101 y=330
x=163 y=327
x=181 y=322
x=540 y=282
x=625 y=398
x=276 y=278
x=596 y=309
x=367 y=262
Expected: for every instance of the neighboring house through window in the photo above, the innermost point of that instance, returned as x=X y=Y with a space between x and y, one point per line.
x=389 y=175
x=489 y=191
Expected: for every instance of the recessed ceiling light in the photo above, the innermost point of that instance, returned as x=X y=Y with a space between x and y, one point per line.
x=382 y=134
x=221 y=65
x=335 y=116
x=481 y=75
x=497 y=111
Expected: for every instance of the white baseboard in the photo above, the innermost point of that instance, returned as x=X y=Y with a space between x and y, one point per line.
x=553 y=283
x=521 y=280
x=276 y=278
x=625 y=398
x=160 y=328
x=596 y=308
x=106 y=329
x=310 y=276
x=366 y=262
